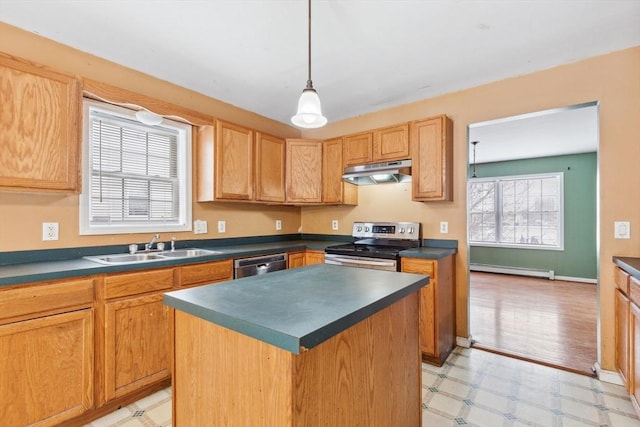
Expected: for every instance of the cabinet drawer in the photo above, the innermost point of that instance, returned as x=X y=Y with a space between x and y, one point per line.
x=44 y=297
x=418 y=266
x=634 y=291
x=209 y=272
x=622 y=280
x=120 y=285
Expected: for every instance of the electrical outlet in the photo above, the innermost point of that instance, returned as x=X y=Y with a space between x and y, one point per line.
x=622 y=230
x=444 y=227
x=278 y=224
x=222 y=226
x=334 y=224
x=50 y=231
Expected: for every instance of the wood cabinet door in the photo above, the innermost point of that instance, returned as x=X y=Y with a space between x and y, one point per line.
x=314 y=257
x=432 y=159
x=332 y=170
x=137 y=344
x=428 y=336
x=46 y=373
x=233 y=158
x=295 y=260
x=358 y=149
x=622 y=336
x=304 y=171
x=391 y=143
x=206 y=273
x=634 y=366
x=270 y=171
x=39 y=128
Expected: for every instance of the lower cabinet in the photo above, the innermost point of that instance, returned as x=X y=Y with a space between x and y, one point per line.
x=627 y=332
x=137 y=331
x=295 y=259
x=437 y=306
x=46 y=369
x=633 y=381
x=622 y=307
x=205 y=273
x=314 y=257
x=302 y=258
x=137 y=344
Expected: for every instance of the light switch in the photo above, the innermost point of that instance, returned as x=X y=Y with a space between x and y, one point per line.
x=622 y=230
x=199 y=226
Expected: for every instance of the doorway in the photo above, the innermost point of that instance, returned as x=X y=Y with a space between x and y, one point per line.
x=532 y=227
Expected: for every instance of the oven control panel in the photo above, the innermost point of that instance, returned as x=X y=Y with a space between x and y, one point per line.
x=387 y=230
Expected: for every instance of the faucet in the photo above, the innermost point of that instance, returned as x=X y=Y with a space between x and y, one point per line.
x=149 y=245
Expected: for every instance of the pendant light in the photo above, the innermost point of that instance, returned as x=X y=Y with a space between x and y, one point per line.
x=474 y=143
x=309 y=115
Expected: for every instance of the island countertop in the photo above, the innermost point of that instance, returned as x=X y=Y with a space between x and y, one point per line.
x=300 y=308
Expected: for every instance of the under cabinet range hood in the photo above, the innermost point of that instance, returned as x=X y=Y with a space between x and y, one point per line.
x=379 y=173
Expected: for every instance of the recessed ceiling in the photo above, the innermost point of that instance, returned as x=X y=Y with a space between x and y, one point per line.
x=367 y=54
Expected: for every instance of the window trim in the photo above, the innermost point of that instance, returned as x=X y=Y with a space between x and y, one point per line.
x=184 y=171
x=498 y=211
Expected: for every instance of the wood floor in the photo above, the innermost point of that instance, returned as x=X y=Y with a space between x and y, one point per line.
x=547 y=321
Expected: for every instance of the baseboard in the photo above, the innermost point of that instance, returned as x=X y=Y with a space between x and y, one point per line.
x=517 y=271
x=577 y=279
x=611 y=377
x=464 y=342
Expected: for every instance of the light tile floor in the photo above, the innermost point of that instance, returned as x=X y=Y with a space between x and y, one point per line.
x=473 y=388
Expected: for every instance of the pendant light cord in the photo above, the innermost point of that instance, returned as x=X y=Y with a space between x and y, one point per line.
x=309 y=83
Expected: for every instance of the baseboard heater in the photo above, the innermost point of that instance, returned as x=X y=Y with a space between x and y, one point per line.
x=517 y=271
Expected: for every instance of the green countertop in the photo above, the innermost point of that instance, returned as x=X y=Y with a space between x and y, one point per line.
x=38 y=271
x=300 y=308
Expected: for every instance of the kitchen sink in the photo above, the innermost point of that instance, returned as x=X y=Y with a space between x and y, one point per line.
x=119 y=259
x=187 y=253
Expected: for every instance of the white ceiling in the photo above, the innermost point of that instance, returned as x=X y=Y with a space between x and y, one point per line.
x=367 y=54
x=556 y=132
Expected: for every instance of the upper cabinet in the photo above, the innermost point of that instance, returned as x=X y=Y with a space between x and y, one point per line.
x=334 y=189
x=380 y=145
x=39 y=128
x=233 y=156
x=358 y=149
x=432 y=159
x=391 y=143
x=225 y=163
x=270 y=168
x=304 y=171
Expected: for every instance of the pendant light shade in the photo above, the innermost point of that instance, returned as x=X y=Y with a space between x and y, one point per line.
x=309 y=115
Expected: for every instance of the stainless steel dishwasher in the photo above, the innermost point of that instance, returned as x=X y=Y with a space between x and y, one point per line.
x=245 y=267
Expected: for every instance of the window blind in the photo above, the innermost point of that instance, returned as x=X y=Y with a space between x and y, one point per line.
x=134 y=172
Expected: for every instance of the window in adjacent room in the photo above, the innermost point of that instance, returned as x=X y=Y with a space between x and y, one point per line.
x=136 y=177
x=517 y=211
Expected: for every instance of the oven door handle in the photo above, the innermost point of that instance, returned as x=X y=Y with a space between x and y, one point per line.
x=349 y=260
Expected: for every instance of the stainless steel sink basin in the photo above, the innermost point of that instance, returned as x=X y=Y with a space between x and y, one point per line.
x=126 y=258
x=118 y=259
x=187 y=253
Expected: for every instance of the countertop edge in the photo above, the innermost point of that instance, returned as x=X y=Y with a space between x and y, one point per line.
x=629 y=264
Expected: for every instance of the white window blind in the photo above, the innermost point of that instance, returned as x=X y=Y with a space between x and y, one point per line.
x=517 y=211
x=137 y=174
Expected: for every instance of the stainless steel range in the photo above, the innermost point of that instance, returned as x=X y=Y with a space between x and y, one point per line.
x=378 y=246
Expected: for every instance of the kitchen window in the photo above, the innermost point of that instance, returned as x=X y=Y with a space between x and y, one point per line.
x=517 y=211
x=136 y=177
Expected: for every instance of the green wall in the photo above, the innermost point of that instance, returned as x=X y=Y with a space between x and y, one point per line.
x=578 y=259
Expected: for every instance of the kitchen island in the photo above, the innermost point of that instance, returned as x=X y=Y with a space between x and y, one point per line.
x=315 y=346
